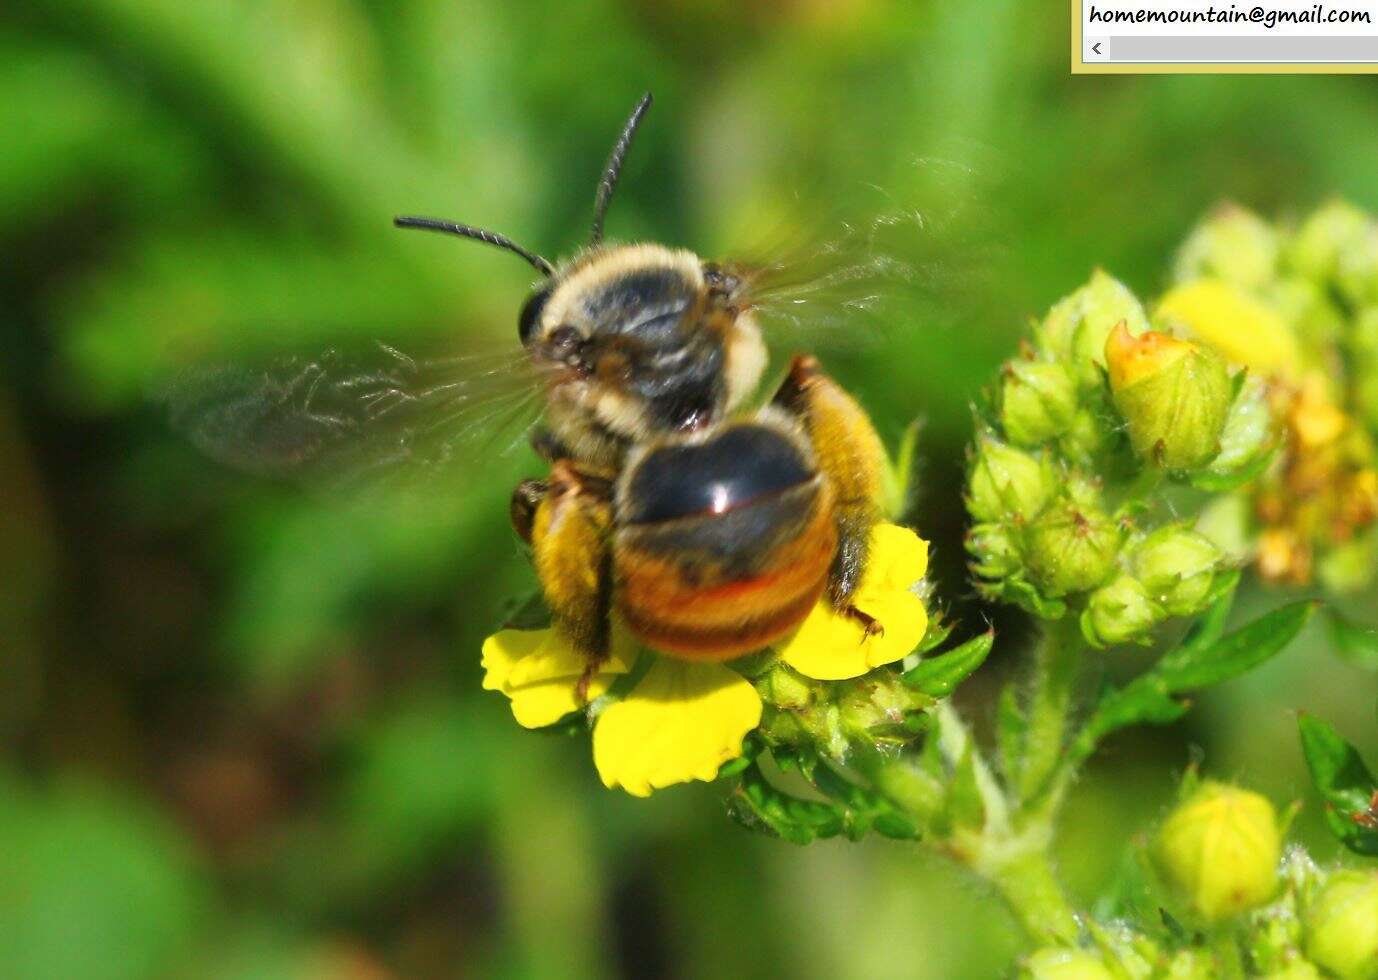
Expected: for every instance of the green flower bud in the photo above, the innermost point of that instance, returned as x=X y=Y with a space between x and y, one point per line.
x=1219 y=850
x=1005 y=481
x=1177 y=568
x=1342 y=925
x=876 y=703
x=1174 y=396
x=1232 y=244
x=1086 y=436
x=1350 y=566
x=1249 y=428
x=1121 y=612
x=994 y=551
x=1037 y=401
x=1356 y=274
x=1070 y=548
x=1075 y=328
x=1315 y=249
x=1364 y=345
x=785 y=687
x=1306 y=305
x=1052 y=963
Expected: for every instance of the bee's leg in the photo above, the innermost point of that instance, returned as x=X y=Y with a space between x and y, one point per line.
x=526 y=500
x=548 y=446
x=851 y=456
x=569 y=534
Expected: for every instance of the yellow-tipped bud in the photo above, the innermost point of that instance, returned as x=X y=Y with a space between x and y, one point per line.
x=1219 y=850
x=1342 y=925
x=1174 y=396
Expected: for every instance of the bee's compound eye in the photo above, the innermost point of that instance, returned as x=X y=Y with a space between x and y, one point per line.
x=531 y=314
x=718 y=279
x=743 y=464
x=563 y=341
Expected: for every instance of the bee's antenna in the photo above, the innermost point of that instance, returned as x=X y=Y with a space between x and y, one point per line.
x=479 y=234
x=614 y=168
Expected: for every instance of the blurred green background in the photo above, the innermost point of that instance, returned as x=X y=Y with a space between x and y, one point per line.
x=243 y=734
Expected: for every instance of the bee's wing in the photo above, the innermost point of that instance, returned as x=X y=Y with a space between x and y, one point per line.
x=356 y=418
x=843 y=282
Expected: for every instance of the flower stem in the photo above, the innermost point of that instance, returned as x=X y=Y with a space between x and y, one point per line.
x=1056 y=671
x=1029 y=886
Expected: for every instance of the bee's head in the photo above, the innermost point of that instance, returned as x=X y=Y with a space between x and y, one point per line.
x=639 y=339
x=644 y=339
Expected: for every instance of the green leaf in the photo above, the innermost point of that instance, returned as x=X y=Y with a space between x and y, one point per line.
x=861 y=808
x=1212 y=482
x=1354 y=642
x=757 y=805
x=939 y=629
x=1197 y=665
x=1204 y=658
x=939 y=676
x=1350 y=791
x=1025 y=596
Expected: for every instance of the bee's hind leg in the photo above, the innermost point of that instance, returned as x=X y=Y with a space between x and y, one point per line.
x=569 y=529
x=852 y=458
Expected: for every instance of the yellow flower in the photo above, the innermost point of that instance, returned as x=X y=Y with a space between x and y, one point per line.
x=538 y=670
x=682 y=720
x=830 y=647
x=1243 y=329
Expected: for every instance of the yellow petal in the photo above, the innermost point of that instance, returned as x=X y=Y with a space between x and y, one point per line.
x=538 y=705
x=681 y=722
x=539 y=669
x=829 y=646
x=1240 y=327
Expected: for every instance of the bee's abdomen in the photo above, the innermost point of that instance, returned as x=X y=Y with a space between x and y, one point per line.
x=723 y=546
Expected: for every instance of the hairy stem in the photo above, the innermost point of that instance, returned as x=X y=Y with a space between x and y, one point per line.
x=1030 y=887
x=1056 y=671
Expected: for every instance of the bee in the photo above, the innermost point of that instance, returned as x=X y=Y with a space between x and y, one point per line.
x=710 y=530
x=709 y=536
x=717 y=542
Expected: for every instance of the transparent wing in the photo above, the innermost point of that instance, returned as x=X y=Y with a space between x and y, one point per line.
x=357 y=418
x=837 y=282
